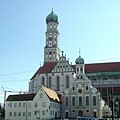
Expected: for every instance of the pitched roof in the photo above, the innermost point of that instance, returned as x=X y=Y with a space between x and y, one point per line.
x=102 y=67
x=89 y=68
x=21 y=97
x=53 y=96
x=46 y=68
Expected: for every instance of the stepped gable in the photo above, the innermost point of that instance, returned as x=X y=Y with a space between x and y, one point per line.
x=46 y=68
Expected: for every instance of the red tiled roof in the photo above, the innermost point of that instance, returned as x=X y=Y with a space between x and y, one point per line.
x=89 y=68
x=46 y=68
x=102 y=67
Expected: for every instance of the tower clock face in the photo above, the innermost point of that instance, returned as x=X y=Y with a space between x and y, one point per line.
x=50 y=38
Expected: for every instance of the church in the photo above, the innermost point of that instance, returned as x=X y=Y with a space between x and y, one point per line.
x=78 y=96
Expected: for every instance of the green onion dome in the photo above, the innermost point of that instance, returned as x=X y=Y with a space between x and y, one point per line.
x=79 y=60
x=52 y=17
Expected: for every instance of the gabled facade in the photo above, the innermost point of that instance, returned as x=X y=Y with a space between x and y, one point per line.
x=44 y=105
x=82 y=99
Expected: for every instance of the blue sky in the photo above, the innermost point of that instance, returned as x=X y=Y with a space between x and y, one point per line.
x=91 y=25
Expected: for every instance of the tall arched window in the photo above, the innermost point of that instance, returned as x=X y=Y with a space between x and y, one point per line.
x=80 y=100
x=43 y=81
x=66 y=101
x=58 y=83
x=67 y=81
x=73 y=101
x=50 y=82
x=87 y=100
x=94 y=100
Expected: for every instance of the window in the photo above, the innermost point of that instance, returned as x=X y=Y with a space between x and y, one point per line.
x=81 y=69
x=43 y=104
x=50 y=34
x=23 y=113
x=19 y=113
x=43 y=112
x=49 y=85
x=77 y=69
x=29 y=114
x=80 y=100
x=86 y=88
x=87 y=100
x=73 y=88
x=41 y=95
x=10 y=114
x=67 y=81
x=66 y=101
x=23 y=104
x=15 y=104
x=73 y=101
x=94 y=100
x=29 y=104
x=73 y=111
x=10 y=105
x=43 y=81
x=15 y=114
x=19 y=104
x=35 y=104
x=87 y=111
x=58 y=83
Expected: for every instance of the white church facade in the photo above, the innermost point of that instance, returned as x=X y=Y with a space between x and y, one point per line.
x=58 y=74
x=77 y=97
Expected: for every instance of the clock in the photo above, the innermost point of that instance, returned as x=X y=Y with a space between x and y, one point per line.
x=50 y=38
x=80 y=90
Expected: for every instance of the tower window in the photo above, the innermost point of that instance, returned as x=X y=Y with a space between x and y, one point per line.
x=50 y=34
x=50 y=53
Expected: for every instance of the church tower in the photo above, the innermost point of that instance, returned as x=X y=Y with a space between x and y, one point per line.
x=51 y=50
x=80 y=67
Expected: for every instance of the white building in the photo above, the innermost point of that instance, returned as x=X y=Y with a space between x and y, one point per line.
x=43 y=105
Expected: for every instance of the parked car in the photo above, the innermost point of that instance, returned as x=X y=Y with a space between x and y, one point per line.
x=85 y=118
